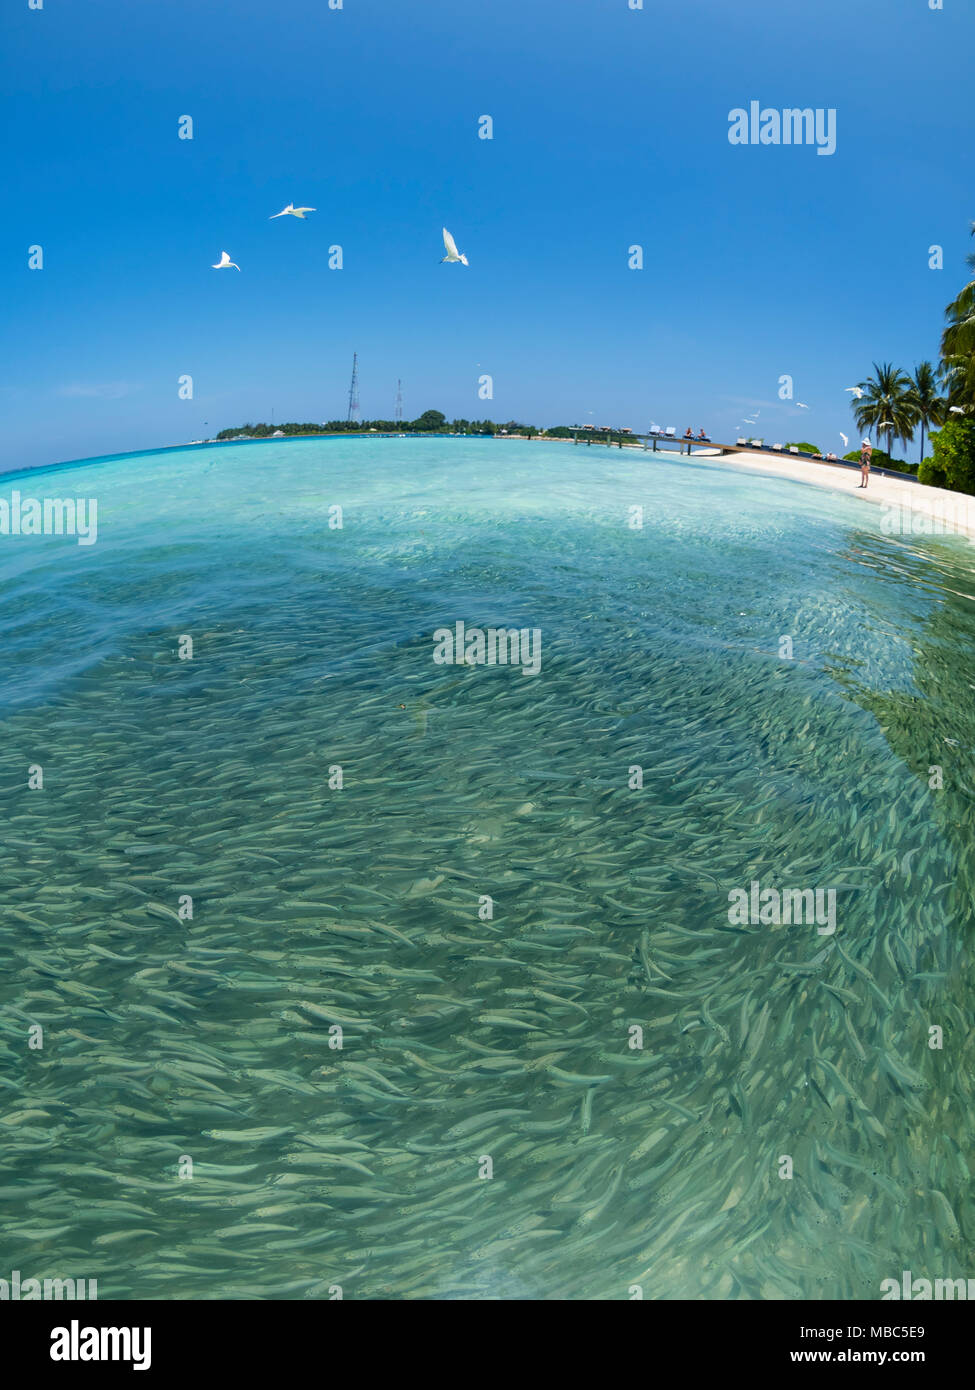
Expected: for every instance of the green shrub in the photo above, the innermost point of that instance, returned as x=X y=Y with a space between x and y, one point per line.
x=954 y=455
x=930 y=474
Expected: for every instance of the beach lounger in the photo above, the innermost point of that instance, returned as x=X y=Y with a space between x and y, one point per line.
x=670 y=432
x=741 y=443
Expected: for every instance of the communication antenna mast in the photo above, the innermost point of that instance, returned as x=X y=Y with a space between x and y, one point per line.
x=354 y=389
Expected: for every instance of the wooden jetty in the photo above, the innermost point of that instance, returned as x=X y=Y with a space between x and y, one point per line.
x=678 y=444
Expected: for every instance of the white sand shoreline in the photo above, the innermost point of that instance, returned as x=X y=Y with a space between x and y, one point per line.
x=905 y=502
x=908 y=505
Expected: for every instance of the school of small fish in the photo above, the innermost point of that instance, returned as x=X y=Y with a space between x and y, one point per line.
x=475 y=1023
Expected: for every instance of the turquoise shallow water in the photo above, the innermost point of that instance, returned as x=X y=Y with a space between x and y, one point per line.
x=464 y=1039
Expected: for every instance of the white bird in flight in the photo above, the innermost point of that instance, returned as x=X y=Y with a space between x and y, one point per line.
x=857 y=391
x=224 y=262
x=956 y=410
x=451 y=247
x=801 y=406
x=292 y=211
x=846 y=442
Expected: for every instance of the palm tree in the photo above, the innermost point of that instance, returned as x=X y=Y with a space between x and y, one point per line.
x=929 y=407
x=958 y=344
x=887 y=404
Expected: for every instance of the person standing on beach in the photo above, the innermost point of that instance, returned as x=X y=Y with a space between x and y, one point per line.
x=866 y=451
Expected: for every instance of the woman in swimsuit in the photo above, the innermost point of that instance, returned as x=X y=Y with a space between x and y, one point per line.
x=865 y=453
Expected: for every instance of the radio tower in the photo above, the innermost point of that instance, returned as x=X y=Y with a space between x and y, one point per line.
x=399 y=401
x=354 y=389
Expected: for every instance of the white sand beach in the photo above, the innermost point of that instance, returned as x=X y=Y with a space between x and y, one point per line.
x=910 y=508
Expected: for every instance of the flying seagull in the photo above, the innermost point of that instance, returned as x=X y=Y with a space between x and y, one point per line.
x=846 y=442
x=801 y=406
x=451 y=248
x=956 y=410
x=857 y=391
x=293 y=211
x=224 y=262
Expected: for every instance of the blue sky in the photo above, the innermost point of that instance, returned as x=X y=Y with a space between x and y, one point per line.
x=610 y=129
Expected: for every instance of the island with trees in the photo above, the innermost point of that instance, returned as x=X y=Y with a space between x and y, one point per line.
x=935 y=401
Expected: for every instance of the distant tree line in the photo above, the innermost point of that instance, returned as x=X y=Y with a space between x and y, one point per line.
x=430 y=422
